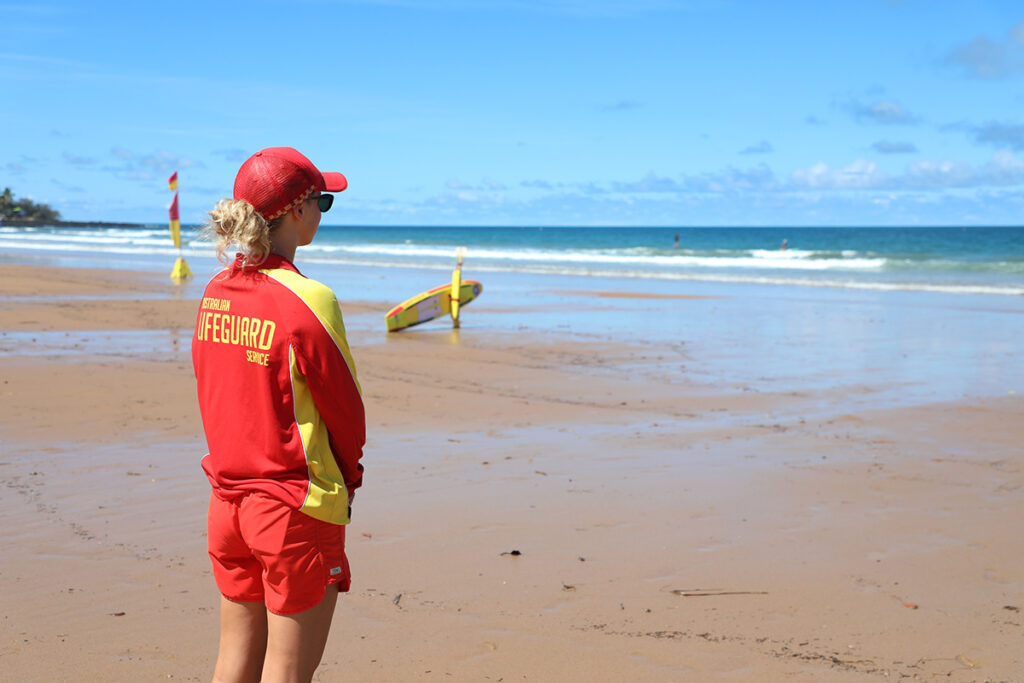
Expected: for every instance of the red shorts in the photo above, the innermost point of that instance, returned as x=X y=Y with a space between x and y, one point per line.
x=266 y=551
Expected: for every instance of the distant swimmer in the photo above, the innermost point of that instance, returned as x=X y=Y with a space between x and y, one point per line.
x=676 y=244
x=785 y=245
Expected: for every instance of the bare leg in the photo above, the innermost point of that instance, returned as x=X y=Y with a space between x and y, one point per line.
x=296 y=642
x=243 y=642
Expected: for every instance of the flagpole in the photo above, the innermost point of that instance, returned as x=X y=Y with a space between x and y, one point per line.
x=180 y=272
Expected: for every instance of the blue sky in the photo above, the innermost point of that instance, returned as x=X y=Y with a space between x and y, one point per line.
x=527 y=112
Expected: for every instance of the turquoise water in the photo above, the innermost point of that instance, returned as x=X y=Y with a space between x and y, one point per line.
x=987 y=261
x=872 y=316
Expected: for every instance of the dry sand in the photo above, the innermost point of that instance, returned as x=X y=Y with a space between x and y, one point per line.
x=534 y=509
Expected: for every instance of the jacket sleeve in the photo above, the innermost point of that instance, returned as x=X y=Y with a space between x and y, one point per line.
x=325 y=361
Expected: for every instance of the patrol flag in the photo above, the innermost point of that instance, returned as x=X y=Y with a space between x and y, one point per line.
x=175 y=223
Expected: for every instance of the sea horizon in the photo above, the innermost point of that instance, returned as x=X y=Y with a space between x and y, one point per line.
x=948 y=260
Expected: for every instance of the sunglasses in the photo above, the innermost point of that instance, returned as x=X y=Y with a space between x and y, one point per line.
x=324 y=202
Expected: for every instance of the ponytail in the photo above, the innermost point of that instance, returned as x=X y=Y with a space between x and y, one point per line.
x=236 y=222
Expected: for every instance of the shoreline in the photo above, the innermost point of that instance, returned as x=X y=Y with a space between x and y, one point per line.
x=939 y=261
x=819 y=537
x=32 y=223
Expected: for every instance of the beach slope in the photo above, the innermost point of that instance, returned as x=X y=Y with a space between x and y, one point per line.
x=536 y=507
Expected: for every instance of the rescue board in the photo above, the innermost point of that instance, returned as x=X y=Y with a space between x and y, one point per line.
x=431 y=304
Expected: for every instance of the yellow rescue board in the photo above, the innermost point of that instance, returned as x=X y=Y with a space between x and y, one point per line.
x=430 y=304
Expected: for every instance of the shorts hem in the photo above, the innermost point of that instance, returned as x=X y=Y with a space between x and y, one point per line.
x=290 y=610
x=244 y=598
x=265 y=551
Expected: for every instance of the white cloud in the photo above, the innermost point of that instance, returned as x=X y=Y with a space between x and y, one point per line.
x=985 y=59
x=884 y=112
x=785 y=205
x=649 y=183
x=1005 y=169
x=939 y=174
x=858 y=175
x=759 y=178
x=930 y=191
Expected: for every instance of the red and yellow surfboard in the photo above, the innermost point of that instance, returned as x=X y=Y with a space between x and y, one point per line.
x=430 y=304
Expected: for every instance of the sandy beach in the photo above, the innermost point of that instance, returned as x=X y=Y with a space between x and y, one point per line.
x=536 y=507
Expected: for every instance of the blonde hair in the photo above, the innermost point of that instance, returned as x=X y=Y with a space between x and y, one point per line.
x=236 y=222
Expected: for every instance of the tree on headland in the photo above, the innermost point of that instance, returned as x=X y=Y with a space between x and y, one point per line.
x=14 y=209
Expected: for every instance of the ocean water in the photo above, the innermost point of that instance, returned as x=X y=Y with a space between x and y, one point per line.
x=986 y=261
x=872 y=316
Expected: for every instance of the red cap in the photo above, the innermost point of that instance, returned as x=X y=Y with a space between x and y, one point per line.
x=276 y=179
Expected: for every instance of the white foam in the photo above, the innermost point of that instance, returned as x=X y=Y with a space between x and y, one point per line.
x=790 y=260
x=846 y=270
x=706 y=277
x=162 y=248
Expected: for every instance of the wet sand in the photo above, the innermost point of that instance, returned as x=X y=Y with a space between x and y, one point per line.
x=536 y=507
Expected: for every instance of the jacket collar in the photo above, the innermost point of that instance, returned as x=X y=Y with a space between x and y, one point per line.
x=272 y=262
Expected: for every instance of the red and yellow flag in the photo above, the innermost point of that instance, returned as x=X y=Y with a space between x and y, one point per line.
x=180 y=271
x=175 y=222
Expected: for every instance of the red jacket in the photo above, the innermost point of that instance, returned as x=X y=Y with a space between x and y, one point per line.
x=278 y=392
